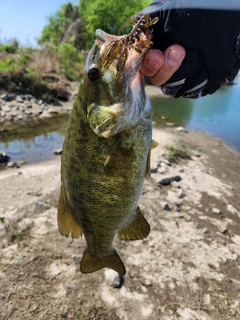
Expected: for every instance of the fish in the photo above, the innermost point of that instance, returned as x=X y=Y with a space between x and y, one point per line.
x=106 y=154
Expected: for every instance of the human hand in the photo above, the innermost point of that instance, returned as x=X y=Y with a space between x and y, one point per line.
x=159 y=66
x=210 y=35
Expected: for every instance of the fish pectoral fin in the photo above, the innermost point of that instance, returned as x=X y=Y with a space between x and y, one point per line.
x=154 y=144
x=137 y=229
x=148 y=168
x=92 y=262
x=67 y=223
x=119 y=159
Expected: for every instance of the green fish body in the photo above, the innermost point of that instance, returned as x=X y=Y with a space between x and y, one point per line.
x=105 y=159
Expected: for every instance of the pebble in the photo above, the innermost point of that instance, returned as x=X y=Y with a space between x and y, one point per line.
x=167 y=181
x=206 y=230
x=181 y=129
x=223 y=228
x=6 y=108
x=216 y=211
x=170 y=124
x=39 y=207
x=57 y=151
x=165 y=206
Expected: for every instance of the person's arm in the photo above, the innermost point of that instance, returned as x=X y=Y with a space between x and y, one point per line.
x=209 y=32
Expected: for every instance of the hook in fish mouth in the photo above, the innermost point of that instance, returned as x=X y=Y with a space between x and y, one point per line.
x=117 y=47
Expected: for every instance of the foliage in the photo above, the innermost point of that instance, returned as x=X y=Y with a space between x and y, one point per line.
x=57 y=24
x=177 y=153
x=68 y=59
x=9 y=48
x=111 y=16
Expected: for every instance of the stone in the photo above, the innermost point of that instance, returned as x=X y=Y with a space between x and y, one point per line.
x=165 y=206
x=8 y=97
x=40 y=206
x=20 y=99
x=3 y=157
x=57 y=151
x=223 y=228
x=170 y=124
x=181 y=129
x=167 y=181
x=216 y=211
x=6 y=108
x=52 y=111
x=206 y=231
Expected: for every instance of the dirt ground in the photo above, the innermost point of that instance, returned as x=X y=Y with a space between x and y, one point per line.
x=188 y=267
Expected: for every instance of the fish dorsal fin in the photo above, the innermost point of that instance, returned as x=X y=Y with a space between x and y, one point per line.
x=137 y=229
x=120 y=159
x=92 y=262
x=67 y=223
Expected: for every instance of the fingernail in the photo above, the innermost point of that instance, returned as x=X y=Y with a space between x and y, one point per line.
x=152 y=65
x=174 y=56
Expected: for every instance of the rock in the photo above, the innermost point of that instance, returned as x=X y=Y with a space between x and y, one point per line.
x=52 y=111
x=165 y=206
x=39 y=207
x=196 y=153
x=8 y=97
x=167 y=162
x=170 y=124
x=206 y=230
x=154 y=168
x=3 y=157
x=6 y=108
x=20 y=99
x=57 y=151
x=223 y=228
x=181 y=129
x=216 y=211
x=28 y=112
x=167 y=181
x=20 y=117
x=114 y=279
x=180 y=193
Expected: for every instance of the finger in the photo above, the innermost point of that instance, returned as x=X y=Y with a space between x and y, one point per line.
x=153 y=61
x=174 y=56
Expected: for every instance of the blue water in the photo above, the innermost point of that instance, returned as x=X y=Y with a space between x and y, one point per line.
x=217 y=114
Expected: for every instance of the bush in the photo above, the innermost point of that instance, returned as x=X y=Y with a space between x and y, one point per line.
x=69 y=57
x=9 y=48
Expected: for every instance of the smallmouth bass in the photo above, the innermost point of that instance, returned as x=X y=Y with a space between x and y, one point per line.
x=106 y=156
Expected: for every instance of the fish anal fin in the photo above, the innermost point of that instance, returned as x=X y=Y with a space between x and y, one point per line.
x=92 y=262
x=67 y=223
x=137 y=229
x=154 y=144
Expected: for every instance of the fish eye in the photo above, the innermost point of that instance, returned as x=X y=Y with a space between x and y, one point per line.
x=93 y=74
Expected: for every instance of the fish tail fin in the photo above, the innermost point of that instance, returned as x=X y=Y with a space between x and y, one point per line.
x=137 y=229
x=92 y=262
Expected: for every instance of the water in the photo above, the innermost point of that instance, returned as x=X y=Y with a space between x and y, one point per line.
x=218 y=115
x=36 y=141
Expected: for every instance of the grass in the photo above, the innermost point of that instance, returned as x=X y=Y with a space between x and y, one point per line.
x=40 y=71
x=175 y=154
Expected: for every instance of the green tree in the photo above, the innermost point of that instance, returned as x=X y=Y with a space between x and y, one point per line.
x=110 y=15
x=58 y=23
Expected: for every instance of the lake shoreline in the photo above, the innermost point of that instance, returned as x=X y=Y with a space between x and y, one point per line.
x=193 y=246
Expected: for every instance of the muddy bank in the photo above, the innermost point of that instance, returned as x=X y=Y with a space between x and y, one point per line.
x=187 y=268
